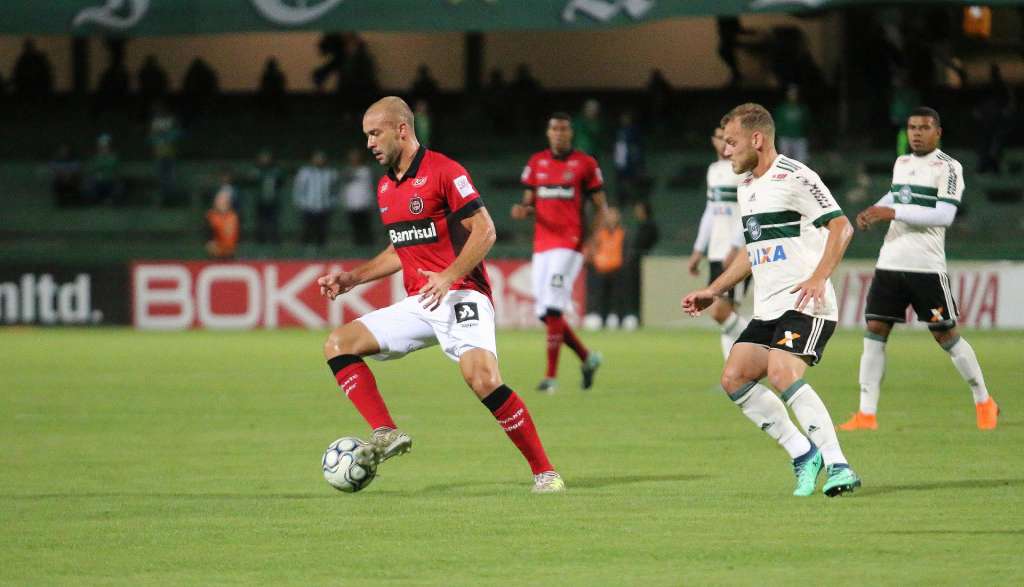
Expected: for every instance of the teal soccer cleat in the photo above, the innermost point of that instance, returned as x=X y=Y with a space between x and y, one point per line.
x=841 y=479
x=807 y=472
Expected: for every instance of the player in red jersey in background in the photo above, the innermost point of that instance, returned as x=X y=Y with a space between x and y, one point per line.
x=440 y=233
x=559 y=181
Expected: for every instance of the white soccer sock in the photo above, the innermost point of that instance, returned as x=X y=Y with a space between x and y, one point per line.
x=767 y=411
x=731 y=329
x=872 y=369
x=815 y=419
x=966 y=362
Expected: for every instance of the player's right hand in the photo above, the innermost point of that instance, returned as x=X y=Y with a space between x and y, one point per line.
x=696 y=301
x=519 y=212
x=336 y=283
x=694 y=265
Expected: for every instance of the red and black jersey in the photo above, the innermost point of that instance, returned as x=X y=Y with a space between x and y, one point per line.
x=561 y=185
x=422 y=213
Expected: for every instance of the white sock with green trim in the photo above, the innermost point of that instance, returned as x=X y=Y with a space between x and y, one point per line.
x=815 y=420
x=872 y=370
x=966 y=362
x=731 y=330
x=767 y=411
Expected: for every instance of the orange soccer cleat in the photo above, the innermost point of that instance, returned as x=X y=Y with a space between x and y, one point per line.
x=988 y=414
x=862 y=421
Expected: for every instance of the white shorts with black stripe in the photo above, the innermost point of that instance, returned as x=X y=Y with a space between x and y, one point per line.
x=793 y=332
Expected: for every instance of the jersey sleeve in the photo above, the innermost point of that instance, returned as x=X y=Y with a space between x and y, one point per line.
x=459 y=191
x=594 y=181
x=951 y=184
x=529 y=176
x=812 y=198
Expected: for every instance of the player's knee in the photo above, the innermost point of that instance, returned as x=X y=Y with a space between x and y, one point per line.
x=733 y=379
x=339 y=342
x=879 y=328
x=944 y=336
x=780 y=375
x=483 y=381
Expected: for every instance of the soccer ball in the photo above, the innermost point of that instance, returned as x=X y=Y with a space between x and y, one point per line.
x=349 y=464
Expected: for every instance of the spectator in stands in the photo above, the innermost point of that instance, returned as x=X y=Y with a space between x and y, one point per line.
x=164 y=135
x=269 y=195
x=995 y=117
x=524 y=94
x=103 y=182
x=605 y=255
x=333 y=46
x=659 y=95
x=642 y=239
x=66 y=177
x=222 y=227
x=904 y=99
x=272 y=90
x=314 y=196
x=32 y=77
x=199 y=89
x=729 y=31
x=792 y=119
x=115 y=82
x=588 y=129
x=363 y=71
x=423 y=123
x=495 y=102
x=153 y=83
x=629 y=160
x=358 y=191
x=3 y=85
x=424 y=87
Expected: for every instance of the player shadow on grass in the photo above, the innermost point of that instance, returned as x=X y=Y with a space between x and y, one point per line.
x=143 y=494
x=573 y=482
x=939 y=485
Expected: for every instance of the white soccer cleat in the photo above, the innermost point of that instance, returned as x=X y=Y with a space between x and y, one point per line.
x=548 y=482
x=390 y=442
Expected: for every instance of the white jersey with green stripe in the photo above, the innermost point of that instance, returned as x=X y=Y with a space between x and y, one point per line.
x=921 y=181
x=725 y=212
x=784 y=213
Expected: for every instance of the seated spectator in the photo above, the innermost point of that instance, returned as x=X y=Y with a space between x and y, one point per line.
x=66 y=181
x=104 y=174
x=222 y=227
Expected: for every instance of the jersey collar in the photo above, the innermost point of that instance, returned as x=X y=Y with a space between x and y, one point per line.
x=564 y=157
x=414 y=167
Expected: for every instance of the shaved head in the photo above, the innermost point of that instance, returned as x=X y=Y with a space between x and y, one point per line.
x=392 y=109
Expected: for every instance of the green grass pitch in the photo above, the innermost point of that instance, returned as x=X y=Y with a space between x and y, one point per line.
x=193 y=458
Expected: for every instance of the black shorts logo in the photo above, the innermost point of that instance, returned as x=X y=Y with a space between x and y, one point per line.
x=557 y=280
x=416 y=204
x=466 y=311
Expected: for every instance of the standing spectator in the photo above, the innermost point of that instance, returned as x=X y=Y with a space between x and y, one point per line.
x=115 y=82
x=269 y=193
x=198 y=90
x=363 y=73
x=153 y=83
x=423 y=123
x=659 y=95
x=995 y=117
x=729 y=30
x=32 y=77
x=273 y=86
x=791 y=122
x=66 y=177
x=314 y=186
x=163 y=136
x=629 y=160
x=333 y=46
x=605 y=254
x=904 y=100
x=104 y=173
x=357 y=195
x=589 y=130
x=524 y=95
x=641 y=240
x=424 y=87
x=496 y=102
x=222 y=227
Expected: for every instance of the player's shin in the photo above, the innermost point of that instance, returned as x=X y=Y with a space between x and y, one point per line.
x=572 y=341
x=966 y=362
x=813 y=416
x=872 y=370
x=555 y=339
x=515 y=420
x=360 y=386
x=767 y=411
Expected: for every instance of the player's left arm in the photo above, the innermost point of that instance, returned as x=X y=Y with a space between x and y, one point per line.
x=814 y=200
x=481 y=238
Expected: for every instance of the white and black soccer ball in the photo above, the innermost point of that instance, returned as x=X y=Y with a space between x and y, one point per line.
x=349 y=464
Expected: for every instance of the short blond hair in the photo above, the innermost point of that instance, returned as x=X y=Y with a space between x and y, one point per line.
x=752 y=117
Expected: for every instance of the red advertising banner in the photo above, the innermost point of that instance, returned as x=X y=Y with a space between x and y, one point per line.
x=173 y=295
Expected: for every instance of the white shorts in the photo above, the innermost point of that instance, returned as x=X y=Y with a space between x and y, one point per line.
x=554 y=275
x=464 y=321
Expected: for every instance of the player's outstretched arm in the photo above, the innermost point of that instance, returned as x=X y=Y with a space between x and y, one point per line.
x=696 y=301
x=385 y=263
x=840 y=233
x=523 y=210
x=481 y=238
